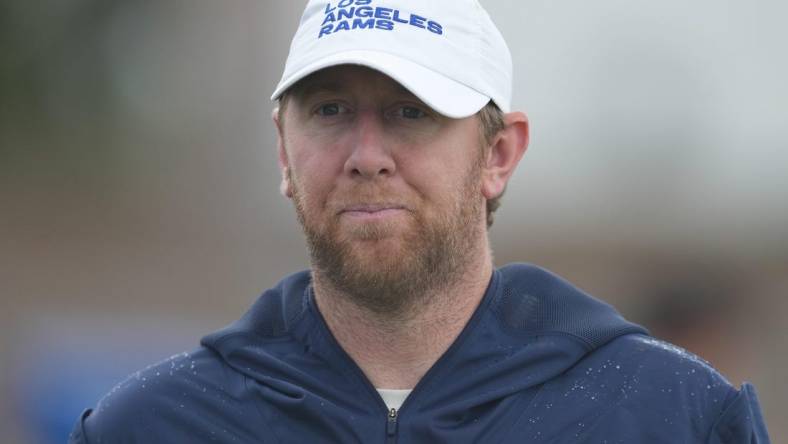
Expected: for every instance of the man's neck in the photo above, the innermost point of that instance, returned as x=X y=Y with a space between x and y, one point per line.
x=396 y=351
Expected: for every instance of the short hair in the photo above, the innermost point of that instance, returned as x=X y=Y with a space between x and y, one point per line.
x=491 y=122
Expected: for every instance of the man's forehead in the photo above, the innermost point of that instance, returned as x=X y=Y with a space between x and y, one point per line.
x=344 y=78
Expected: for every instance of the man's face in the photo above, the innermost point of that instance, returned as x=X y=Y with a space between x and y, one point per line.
x=387 y=190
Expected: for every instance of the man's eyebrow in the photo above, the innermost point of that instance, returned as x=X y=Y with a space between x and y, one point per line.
x=402 y=90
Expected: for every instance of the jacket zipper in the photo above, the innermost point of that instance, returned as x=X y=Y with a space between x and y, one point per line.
x=391 y=427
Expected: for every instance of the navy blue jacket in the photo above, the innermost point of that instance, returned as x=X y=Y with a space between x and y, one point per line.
x=539 y=362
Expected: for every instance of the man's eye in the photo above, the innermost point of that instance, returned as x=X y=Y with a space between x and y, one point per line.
x=329 y=109
x=411 y=112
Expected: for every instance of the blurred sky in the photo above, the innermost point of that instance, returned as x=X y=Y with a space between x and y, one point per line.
x=139 y=204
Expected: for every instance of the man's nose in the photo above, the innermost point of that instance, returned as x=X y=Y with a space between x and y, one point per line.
x=371 y=156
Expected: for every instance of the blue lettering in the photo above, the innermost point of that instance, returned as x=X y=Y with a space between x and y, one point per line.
x=397 y=19
x=342 y=26
x=385 y=25
x=435 y=27
x=364 y=11
x=417 y=21
x=383 y=13
x=329 y=18
x=342 y=17
x=325 y=30
x=346 y=13
x=363 y=24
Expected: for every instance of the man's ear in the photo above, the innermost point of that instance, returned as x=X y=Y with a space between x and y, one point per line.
x=504 y=154
x=285 y=187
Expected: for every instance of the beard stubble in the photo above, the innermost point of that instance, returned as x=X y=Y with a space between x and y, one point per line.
x=433 y=252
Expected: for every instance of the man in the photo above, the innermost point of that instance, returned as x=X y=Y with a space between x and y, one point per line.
x=396 y=140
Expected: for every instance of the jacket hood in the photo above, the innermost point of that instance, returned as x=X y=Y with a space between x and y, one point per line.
x=530 y=326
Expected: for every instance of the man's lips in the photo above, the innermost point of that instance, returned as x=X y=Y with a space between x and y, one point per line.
x=371 y=208
x=372 y=211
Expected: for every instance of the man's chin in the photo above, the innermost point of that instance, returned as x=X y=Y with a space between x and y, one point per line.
x=377 y=253
x=380 y=280
x=370 y=233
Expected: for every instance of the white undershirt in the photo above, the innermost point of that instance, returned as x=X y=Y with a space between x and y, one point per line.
x=394 y=398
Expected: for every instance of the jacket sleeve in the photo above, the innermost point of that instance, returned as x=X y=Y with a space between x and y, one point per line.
x=741 y=422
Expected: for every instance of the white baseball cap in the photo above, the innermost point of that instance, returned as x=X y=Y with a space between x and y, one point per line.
x=448 y=53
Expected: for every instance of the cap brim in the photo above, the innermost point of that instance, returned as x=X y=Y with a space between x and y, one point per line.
x=444 y=95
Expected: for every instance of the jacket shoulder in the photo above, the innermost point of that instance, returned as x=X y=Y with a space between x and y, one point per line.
x=655 y=391
x=731 y=415
x=166 y=402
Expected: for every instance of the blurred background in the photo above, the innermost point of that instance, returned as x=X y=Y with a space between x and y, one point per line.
x=139 y=204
